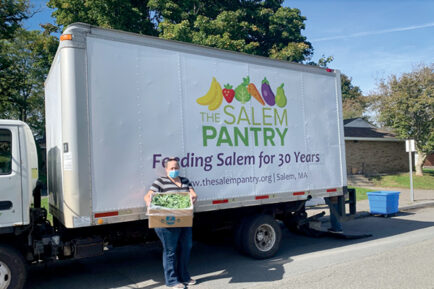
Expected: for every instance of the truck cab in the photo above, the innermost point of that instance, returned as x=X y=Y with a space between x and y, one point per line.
x=18 y=173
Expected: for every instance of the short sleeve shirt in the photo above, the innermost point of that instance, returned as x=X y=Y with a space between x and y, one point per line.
x=165 y=185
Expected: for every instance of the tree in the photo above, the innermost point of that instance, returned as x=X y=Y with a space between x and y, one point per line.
x=132 y=15
x=12 y=12
x=354 y=103
x=29 y=55
x=257 y=27
x=406 y=104
x=263 y=28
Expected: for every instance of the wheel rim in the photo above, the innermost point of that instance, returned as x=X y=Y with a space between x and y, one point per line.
x=5 y=276
x=265 y=238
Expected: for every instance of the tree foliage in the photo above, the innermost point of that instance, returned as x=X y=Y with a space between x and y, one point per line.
x=354 y=104
x=25 y=58
x=12 y=12
x=131 y=15
x=263 y=28
x=406 y=104
x=28 y=56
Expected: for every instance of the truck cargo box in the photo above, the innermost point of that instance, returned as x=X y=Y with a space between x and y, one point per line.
x=248 y=130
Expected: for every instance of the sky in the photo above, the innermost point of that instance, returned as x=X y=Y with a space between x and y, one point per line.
x=368 y=39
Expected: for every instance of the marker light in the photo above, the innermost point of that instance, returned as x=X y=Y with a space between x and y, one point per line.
x=65 y=37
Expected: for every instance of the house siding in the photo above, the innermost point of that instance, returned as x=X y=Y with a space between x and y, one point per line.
x=429 y=162
x=375 y=157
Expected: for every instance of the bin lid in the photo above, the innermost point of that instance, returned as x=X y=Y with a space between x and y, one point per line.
x=382 y=193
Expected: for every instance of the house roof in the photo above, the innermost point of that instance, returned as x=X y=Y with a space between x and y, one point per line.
x=360 y=129
x=367 y=132
x=348 y=120
x=357 y=122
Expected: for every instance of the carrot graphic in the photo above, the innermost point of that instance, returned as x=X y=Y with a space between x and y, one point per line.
x=253 y=91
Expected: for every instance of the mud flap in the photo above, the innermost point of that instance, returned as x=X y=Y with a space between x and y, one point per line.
x=349 y=198
x=347 y=236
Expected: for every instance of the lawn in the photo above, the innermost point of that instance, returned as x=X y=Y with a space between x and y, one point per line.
x=44 y=204
x=361 y=193
x=402 y=180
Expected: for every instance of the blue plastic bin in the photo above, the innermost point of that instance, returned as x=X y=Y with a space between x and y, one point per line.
x=383 y=202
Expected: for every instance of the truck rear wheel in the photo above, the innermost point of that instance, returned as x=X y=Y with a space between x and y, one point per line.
x=13 y=268
x=261 y=236
x=238 y=233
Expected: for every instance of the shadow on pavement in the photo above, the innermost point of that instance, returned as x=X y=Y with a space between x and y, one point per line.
x=141 y=266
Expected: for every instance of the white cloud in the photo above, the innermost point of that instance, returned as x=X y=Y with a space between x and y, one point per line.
x=361 y=34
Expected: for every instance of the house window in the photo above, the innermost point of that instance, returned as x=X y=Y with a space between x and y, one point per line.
x=5 y=152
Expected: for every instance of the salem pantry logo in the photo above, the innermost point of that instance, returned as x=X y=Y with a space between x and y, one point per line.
x=242 y=93
x=242 y=125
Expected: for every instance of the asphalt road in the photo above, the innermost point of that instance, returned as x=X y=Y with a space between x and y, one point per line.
x=400 y=254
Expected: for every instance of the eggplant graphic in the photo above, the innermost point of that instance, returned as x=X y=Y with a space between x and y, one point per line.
x=267 y=93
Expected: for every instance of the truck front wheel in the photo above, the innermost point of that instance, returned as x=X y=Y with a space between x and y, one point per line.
x=261 y=236
x=13 y=269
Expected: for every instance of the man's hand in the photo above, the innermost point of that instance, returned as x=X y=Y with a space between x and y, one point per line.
x=148 y=198
x=193 y=195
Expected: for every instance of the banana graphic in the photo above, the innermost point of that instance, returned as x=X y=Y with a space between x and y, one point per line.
x=210 y=96
x=218 y=96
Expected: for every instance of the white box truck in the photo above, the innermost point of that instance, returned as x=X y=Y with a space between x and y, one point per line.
x=257 y=138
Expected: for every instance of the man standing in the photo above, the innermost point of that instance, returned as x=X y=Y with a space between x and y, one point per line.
x=336 y=226
x=177 y=242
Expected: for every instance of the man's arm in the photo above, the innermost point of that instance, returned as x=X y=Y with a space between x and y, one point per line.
x=148 y=198
x=193 y=195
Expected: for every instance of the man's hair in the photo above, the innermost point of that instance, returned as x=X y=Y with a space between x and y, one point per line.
x=171 y=159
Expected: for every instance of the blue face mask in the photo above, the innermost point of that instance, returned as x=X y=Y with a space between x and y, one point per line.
x=174 y=174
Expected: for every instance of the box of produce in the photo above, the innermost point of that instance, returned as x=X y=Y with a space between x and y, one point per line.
x=170 y=210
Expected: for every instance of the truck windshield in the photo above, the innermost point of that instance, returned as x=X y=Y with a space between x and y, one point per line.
x=5 y=152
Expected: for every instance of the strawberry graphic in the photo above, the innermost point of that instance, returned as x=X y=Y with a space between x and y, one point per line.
x=228 y=93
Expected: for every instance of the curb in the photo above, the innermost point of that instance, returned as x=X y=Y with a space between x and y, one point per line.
x=417 y=206
x=365 y=214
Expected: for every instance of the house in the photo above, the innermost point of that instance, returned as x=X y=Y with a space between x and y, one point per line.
x=429 y=161
x=371 y=151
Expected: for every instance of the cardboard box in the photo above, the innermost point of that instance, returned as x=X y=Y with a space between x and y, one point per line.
x=170 y=221
x=170 y=218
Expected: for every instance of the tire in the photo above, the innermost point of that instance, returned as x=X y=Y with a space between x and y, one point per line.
x=238 y=232
x=13 y=268
x=261 y=237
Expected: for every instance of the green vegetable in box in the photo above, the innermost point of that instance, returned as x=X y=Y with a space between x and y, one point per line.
x=172 y=201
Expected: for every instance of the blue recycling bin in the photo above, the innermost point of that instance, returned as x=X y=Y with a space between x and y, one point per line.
x=383 y=202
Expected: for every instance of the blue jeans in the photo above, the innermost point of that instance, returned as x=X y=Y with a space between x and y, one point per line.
x=177 y=243
x=334 y=221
